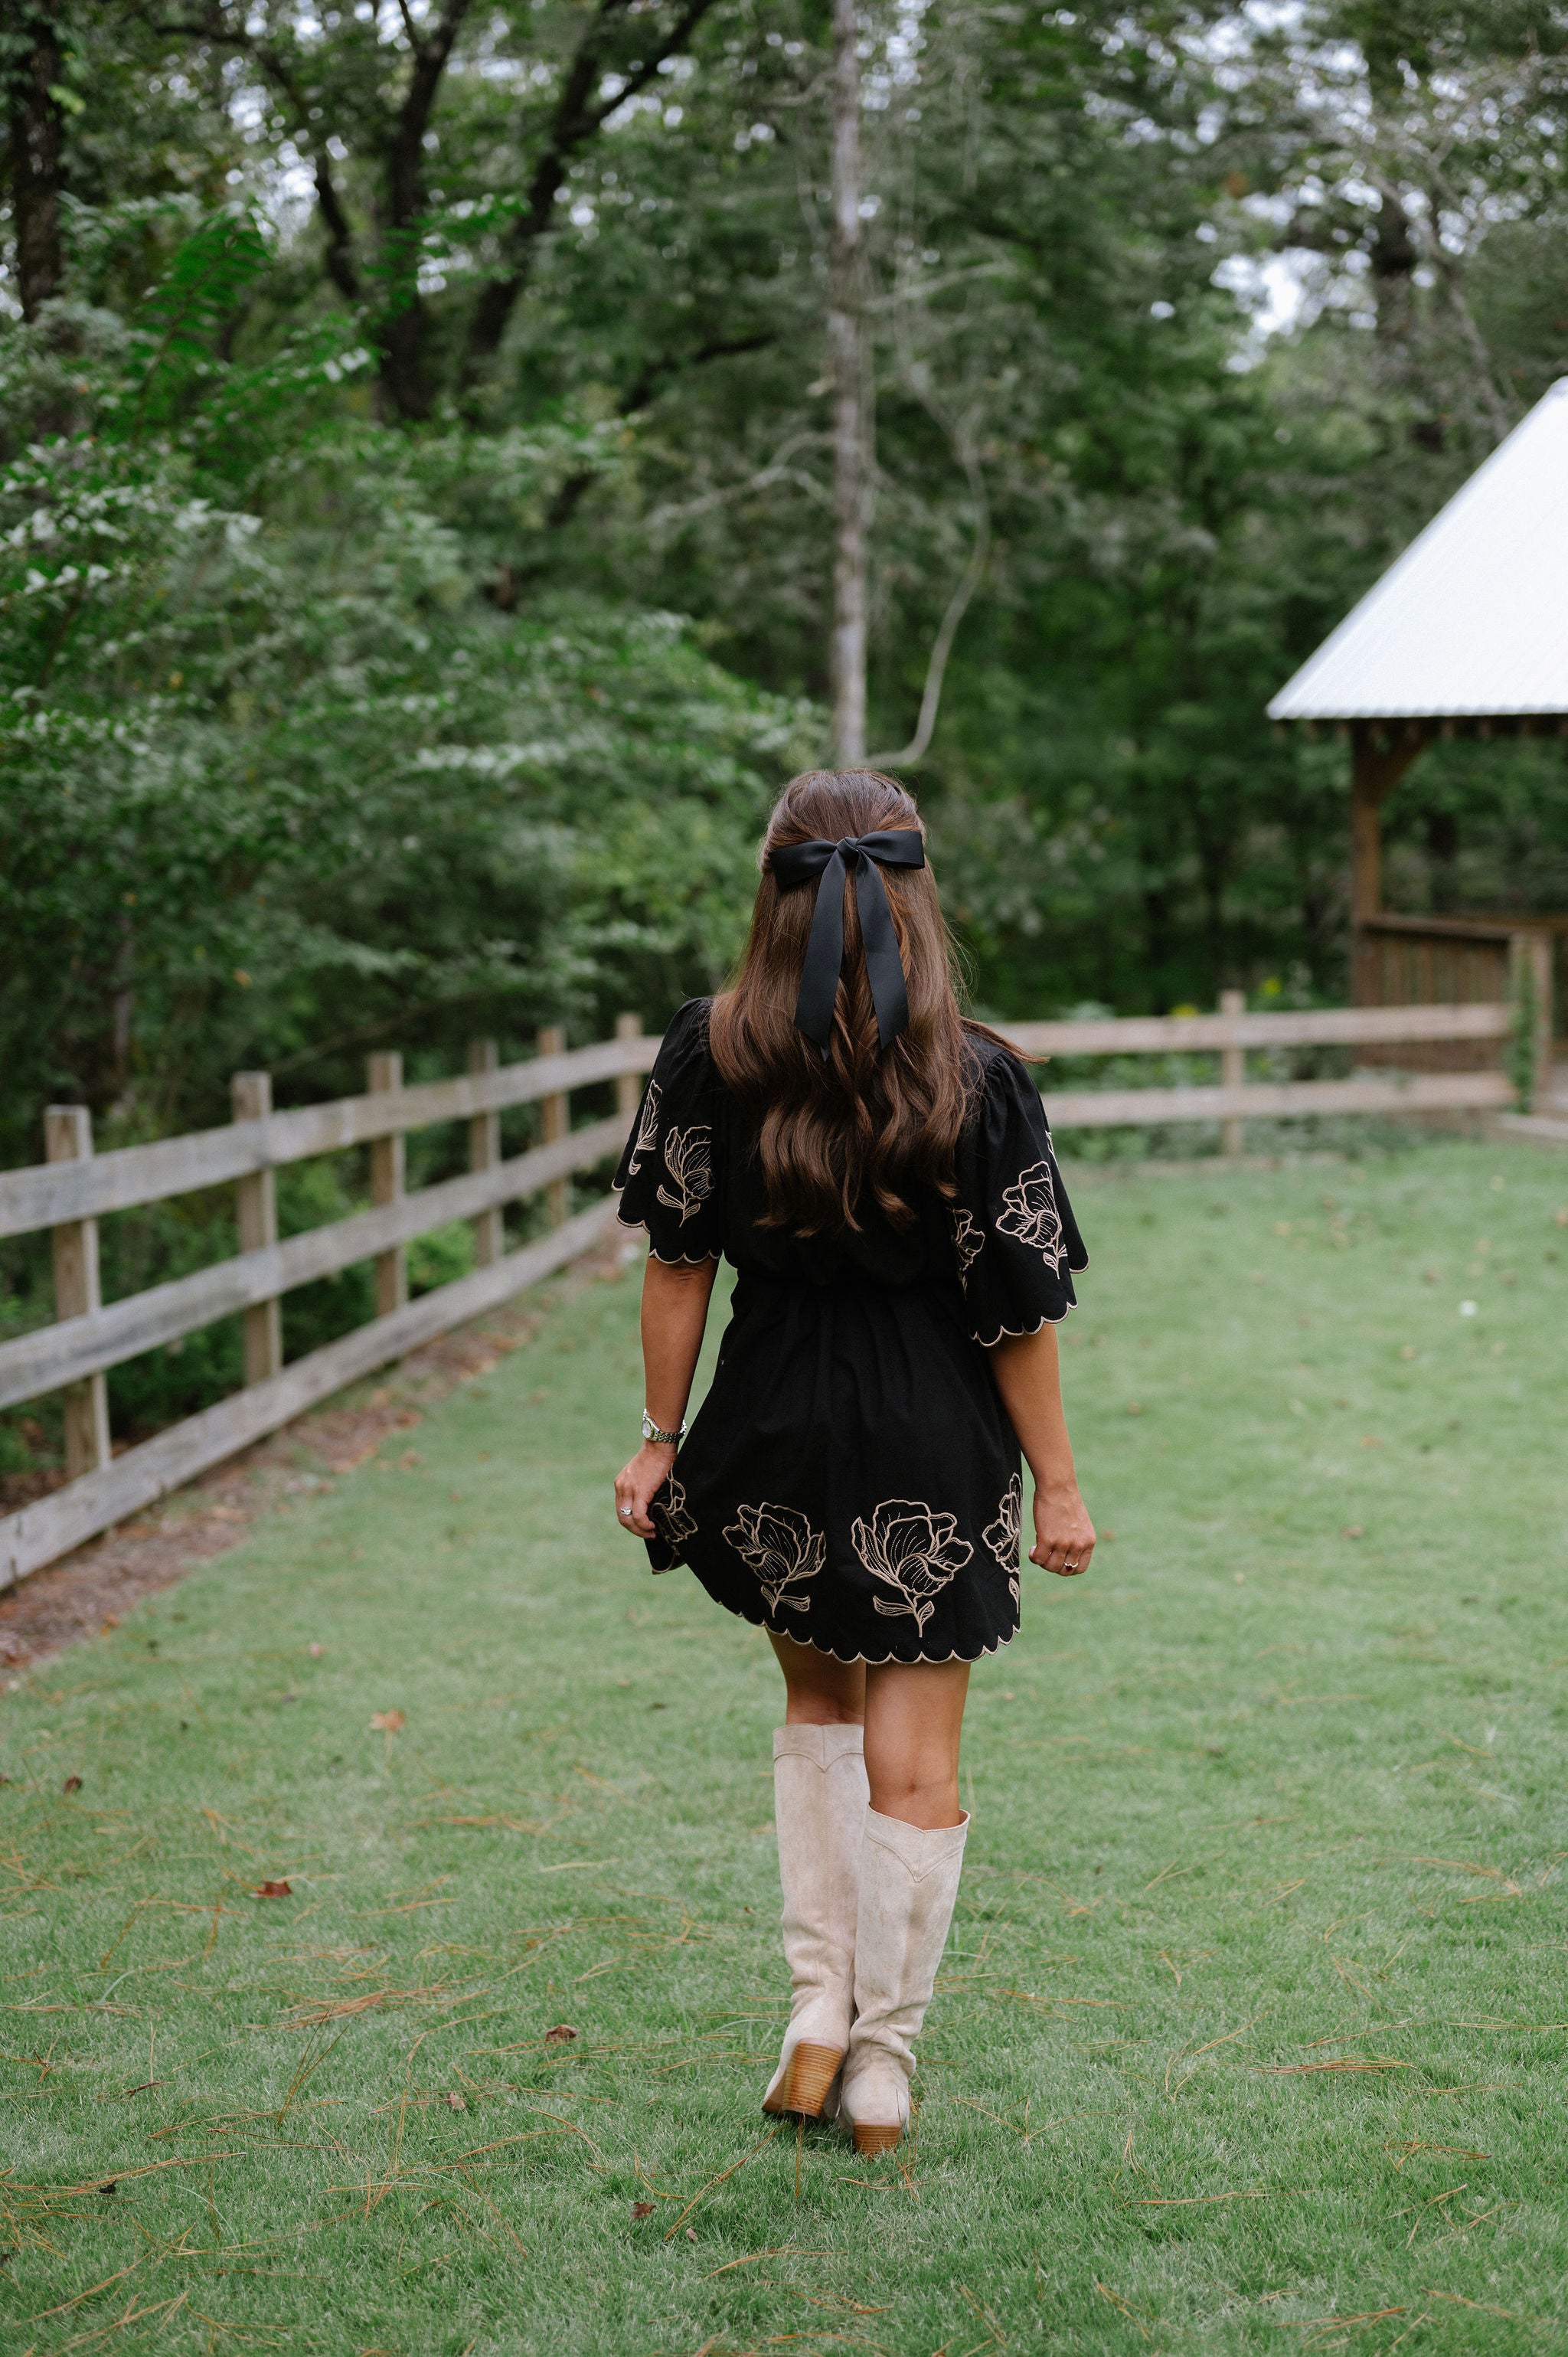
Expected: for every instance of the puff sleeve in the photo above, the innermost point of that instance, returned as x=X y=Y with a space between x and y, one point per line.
x=667 y=1180
x=1015 y=1238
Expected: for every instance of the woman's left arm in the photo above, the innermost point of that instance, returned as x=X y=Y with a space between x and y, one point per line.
x=1028 y=1376
x=675 y=1297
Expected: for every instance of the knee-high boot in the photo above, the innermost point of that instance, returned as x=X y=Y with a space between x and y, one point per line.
x=909 y=1882
x=819 y=1798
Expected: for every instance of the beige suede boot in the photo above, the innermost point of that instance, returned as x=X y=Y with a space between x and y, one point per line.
x=819 y=1804
x=909 y=1882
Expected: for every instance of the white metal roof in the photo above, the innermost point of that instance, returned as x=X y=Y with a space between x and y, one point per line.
x=1472 y=621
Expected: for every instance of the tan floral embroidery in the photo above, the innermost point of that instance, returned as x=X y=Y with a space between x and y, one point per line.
x=647 y=1130
x=670 y=1516
x=967 y=1240
x=690 y=1169
x=1030 y=1213
x=781 y=1546
x=1003 y=1535
x=913 y=1550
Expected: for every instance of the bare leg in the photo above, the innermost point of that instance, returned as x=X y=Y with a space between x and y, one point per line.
x=818 y=1690
x=914 y=1712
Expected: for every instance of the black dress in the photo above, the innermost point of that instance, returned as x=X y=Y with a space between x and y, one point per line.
x=852 y=1480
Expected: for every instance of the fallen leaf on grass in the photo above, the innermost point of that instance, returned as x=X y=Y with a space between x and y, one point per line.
x=71 y=1784
x=642 y=2208
x=560 y=2034
x=456 y=2103
x=388 y=1722
x=274 y=1890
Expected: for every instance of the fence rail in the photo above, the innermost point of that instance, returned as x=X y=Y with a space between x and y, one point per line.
x=68 y=1193
x=1234 y=1032
x=75 y=1188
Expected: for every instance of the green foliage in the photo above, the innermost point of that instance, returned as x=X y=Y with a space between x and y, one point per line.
x=272 y=771
x=413 y=585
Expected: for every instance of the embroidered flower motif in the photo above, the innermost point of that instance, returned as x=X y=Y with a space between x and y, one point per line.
x=1003 y=1535
x=668 y=1514
x=967 y=1240
x=1030 y=1213
x=646 y=1129
x=913 y=1550
x=781 y=1546
x=691 y=1170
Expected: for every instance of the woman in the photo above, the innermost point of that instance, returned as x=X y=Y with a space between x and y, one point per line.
x=880 y=1173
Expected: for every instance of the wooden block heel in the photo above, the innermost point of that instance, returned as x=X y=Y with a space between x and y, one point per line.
x=872 y=2138
x=804 y=2089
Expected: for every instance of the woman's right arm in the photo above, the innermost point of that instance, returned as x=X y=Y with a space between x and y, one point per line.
x=675 y=1297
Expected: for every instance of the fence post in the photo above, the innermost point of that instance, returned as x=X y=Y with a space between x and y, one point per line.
x=555 y=1118
x=1539 y=953
x=1529 y=986
x=628 y=1085
x=485 y=1154
x=1232 y=1070
x=256 y=1203
x=388 y=1160
x=68 y=1138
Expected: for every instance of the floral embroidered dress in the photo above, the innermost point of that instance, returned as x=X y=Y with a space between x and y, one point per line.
x=852 y=1480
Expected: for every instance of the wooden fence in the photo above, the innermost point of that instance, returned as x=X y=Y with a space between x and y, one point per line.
x=70 y=1192
x=74 y=1188
x=1233 y=1032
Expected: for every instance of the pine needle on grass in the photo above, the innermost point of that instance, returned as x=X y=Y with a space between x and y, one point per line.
x=724 y=2174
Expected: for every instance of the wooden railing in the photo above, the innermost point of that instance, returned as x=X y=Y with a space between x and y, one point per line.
x=1235 y=1099
x=75 y=1188
x=70 y=1192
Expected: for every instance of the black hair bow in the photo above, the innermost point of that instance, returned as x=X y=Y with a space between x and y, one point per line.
x=796 y=863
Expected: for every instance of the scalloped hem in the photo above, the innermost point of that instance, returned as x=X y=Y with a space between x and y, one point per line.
x=1017 y=1333
x=666 y=1260
x=871 y=1661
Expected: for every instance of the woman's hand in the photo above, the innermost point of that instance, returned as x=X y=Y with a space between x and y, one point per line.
x=1064 y=1536
x=638 y=1482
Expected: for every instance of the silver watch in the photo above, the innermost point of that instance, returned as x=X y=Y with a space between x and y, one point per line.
x=651 y=1431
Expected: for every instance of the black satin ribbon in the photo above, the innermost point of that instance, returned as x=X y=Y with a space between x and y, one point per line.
x=831 y=863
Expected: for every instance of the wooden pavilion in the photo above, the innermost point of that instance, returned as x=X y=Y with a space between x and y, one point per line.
x=1467 y=635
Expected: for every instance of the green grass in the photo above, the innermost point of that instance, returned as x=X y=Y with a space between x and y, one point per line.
x=1277 y=1788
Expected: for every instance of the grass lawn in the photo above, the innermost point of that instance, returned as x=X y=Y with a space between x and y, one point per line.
x=1255 y=2020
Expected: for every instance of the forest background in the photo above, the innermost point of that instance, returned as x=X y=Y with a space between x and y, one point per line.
x=415 y=502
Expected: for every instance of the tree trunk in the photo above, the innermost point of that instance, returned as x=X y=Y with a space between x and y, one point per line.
x=35 y=129
x=851 y=407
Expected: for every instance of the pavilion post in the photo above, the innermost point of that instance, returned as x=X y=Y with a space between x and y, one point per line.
x=1377 y=765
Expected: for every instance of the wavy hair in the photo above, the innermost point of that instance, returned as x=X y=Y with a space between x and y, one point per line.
x=864 y=1125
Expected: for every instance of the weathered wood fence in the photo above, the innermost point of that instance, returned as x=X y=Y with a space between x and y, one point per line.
x=75 y=1188
x=70 y=1192
x=1233 y=1032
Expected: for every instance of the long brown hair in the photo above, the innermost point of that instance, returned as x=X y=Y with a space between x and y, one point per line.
x=865 y=1124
